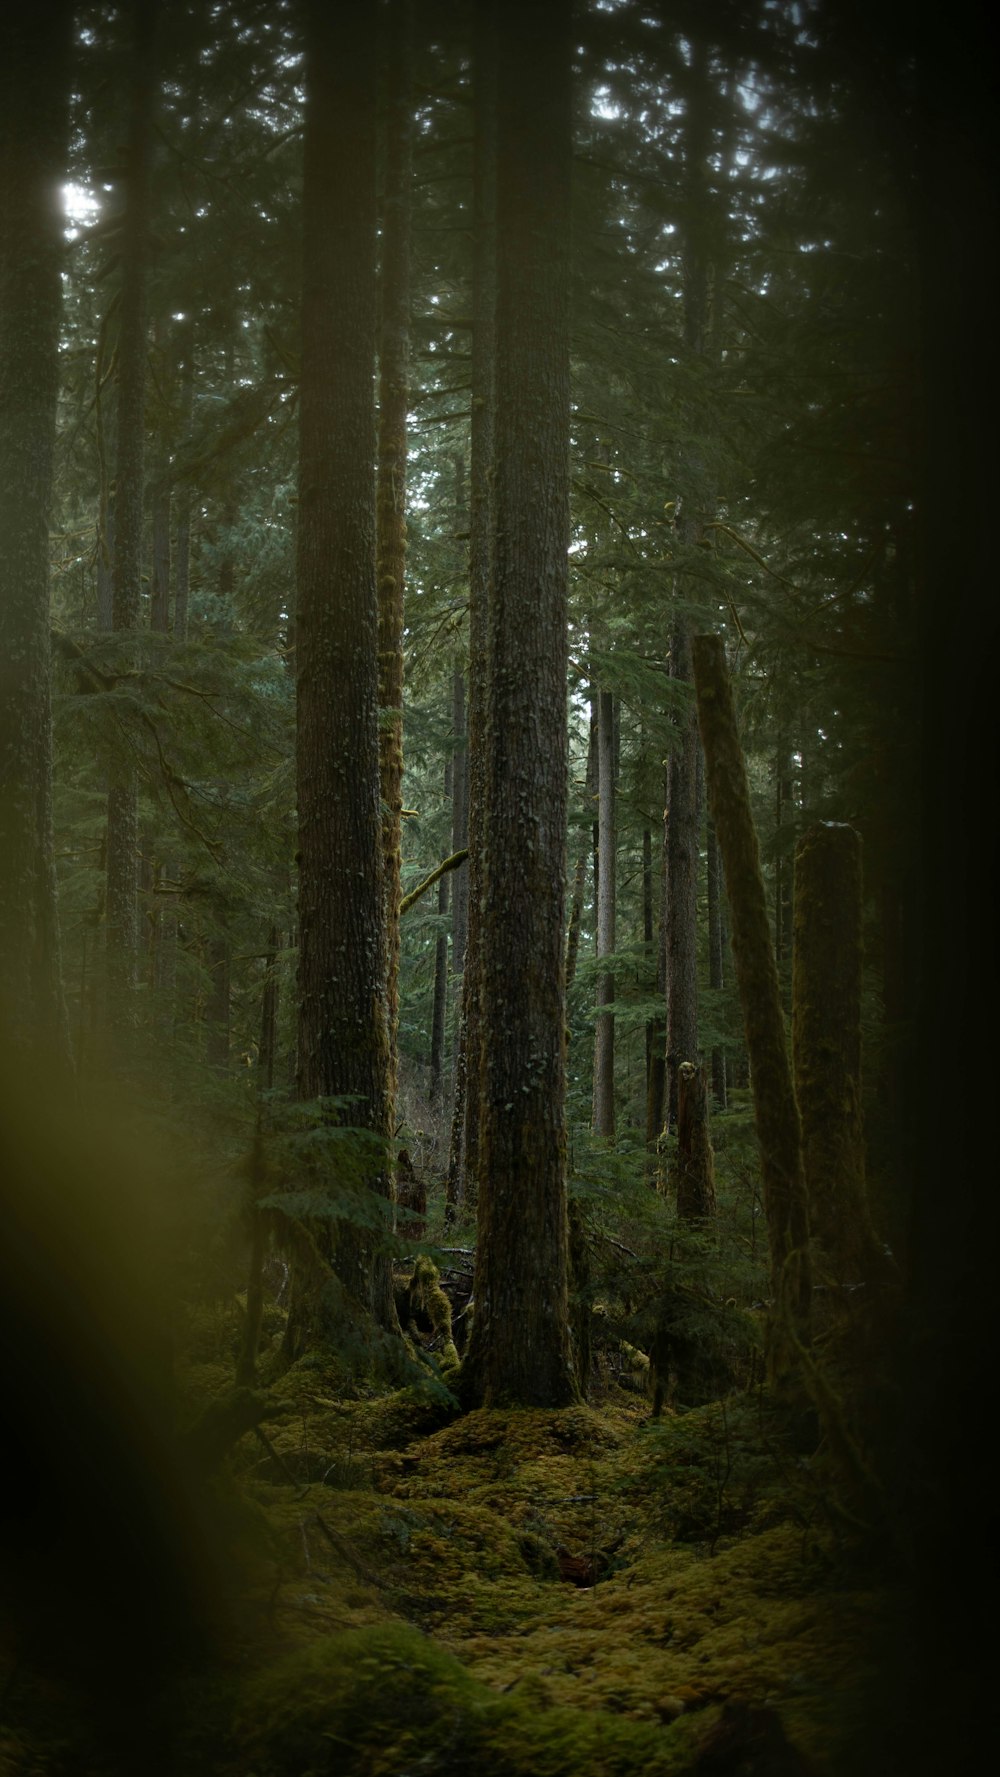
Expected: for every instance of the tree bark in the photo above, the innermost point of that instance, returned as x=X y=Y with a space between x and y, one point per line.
x=826 y=1045
x=604 y=1030
x=246 y=1363
x=694 y=1172
x=342 y=1027
x=465 y=1156
x=394 y=354
x=34 y=123
x=519 y=1350
x=682 y=883
x=775 y=1110
x=716 y=955
x=656 y=1073
x=439 y=1007
x=121 y=911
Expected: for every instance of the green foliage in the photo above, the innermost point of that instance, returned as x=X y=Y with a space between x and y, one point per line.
x=373 y=1701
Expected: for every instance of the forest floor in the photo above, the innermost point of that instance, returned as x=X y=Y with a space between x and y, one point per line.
x=591 y=1592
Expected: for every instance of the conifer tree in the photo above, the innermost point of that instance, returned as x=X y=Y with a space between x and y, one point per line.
x=34 y=122
x=519 y=1345
x=342 y=1033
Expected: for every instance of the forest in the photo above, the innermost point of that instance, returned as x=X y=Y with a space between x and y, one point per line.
x=496 y=771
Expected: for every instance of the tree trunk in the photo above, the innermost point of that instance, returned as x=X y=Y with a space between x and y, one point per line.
x=439 y=1009
x=826 y=1045
x=604 y=1030
x=342 y=1033
x=182 y=503
x=34 y=121
x=459 y=821
x=394 y=353
x=682 y=881
x=465 y=1156
x=656 y=1075
x=694 y=1168
x=716 y=956
x=121 y=912
x=519 y=1350
x=246 y=1364
x=775 y=1110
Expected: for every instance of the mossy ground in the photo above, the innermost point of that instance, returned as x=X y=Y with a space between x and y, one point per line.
x=403 y=1596
x=414 y=1561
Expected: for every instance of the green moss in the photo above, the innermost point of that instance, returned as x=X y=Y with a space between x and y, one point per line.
x=379 y=1701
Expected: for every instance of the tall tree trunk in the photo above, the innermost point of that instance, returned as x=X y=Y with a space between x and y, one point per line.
x=439 y=1008
x=182 y=502
x=575 y=917
x=784 y=812
x=775 y=1110
x=34 y=121
x=246 y=1363
x=342 y=1033
x=519 y=1348
x=656 y=1077
x=682 y=882
x=459 y=820
x=604 y=1030
x=121 y=912
x=716 y=954
x=465 y=1156
x=826 y=1045
x=694 y=1170
x=394 y=353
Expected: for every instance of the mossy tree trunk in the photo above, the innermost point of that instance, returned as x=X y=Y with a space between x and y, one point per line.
x=656 y=1040
x=694 y=1167
x=464 y=1163
x=257 y=1184
x=439 y=1004
x=394 y=354
x=121 y=905
x=775 y=1110
x=716 y=954
x=34 y=122
x=826 y=1044
x=606 y=856
x=343 y=1045
x=682 y=879
x=519 y=1349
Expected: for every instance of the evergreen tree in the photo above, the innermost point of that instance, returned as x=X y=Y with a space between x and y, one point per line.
x=519 y=1346
x=343 y=1039
x=34 y=122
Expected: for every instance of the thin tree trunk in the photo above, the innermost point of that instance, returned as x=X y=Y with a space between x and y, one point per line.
x=121 y=911
x=694 y=1168
x=682 y=878
x=519 y=1348
x=575 y=918
x=439 y=1007
x=716 y=955
x=656 y=1078
x=34 y=121
x=246 y=1366
x=182 y=502
x=342 y=1035
x=394 y=352
x=826 y=1045
x=459 y=821
x=604 y=1030
x=775 y=1110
